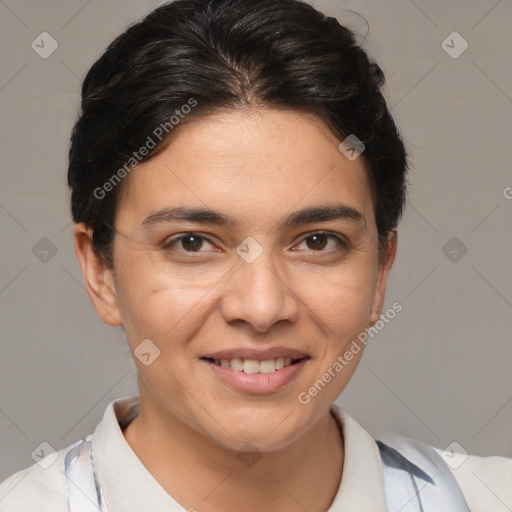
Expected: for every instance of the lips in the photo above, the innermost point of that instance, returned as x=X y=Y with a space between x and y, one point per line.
x=256 y=361
x=258 y=355
x=256 y=377
x=253 y=365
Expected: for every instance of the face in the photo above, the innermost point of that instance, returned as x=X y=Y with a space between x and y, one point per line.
x=282 y=270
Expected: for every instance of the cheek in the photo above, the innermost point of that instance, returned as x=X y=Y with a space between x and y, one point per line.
x=161 y=313
x=341 y=302
x=341 y=298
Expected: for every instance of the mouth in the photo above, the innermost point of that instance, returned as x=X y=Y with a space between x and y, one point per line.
x=257 y=373
x=252 y=366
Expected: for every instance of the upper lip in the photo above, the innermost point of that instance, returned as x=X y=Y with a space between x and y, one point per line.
x=259 y=355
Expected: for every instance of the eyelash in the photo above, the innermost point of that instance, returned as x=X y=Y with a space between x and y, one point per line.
x=172 y=242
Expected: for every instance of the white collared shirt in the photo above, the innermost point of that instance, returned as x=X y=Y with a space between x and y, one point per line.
x=128 y=486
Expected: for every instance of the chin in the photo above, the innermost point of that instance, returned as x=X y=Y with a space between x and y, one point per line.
x=266 y=431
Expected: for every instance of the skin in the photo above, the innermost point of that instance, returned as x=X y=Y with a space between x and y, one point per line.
x=257 y=166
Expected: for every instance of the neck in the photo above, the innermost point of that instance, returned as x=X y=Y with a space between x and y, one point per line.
x=207 y=477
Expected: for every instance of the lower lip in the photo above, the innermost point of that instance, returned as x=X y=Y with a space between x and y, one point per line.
x=258 y=383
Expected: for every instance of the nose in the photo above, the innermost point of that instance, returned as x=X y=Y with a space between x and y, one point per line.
x=258 y=295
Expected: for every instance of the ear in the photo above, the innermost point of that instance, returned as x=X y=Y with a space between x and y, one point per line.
x=99 y=280
x=384 y=269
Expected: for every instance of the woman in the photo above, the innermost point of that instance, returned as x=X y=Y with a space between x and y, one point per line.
x=237 y=181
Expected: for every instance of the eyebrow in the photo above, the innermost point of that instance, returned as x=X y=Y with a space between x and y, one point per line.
x=322 y=213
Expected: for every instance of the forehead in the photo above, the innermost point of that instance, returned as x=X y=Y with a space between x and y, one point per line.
x=248 y=164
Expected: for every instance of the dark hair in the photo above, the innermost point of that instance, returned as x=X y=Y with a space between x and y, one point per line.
x=222 y=55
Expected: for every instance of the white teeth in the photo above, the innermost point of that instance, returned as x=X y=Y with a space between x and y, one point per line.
x=268 y=366
x=253 y=365
x=237 y=364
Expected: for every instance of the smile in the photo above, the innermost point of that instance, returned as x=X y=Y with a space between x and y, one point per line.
x=254 y=366
x=254 y=376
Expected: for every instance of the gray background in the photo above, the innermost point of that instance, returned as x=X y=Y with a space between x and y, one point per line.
x=440 y=371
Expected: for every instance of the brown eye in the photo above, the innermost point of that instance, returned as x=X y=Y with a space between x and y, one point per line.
x=190 y=242
x=317 y=242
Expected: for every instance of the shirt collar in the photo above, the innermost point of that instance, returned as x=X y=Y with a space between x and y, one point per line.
x=416 y=452
x=362 y=482
x=129 y=487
